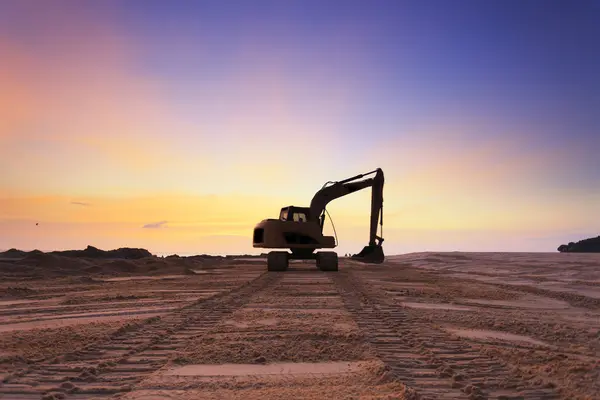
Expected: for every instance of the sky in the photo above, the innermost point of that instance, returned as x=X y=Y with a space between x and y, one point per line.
x=177 y=126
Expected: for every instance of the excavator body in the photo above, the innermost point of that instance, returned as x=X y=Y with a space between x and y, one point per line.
x=282 y=234
x=300 y=229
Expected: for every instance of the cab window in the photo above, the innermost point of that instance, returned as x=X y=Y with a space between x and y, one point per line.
x=299 y=217
x=283 y=215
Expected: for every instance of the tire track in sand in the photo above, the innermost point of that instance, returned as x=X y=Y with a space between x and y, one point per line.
x=114 y=367
x=430 y=361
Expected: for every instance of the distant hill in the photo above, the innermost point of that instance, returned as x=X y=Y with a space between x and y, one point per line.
x=88 y=252
x=14 y=253
x=591 y=245
x=93 y=252
x=127 y=253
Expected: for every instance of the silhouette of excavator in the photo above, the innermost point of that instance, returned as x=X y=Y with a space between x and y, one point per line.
x=300 y=229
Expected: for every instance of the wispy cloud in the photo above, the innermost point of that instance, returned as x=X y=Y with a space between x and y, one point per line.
x=81 y=203
x=155 y=225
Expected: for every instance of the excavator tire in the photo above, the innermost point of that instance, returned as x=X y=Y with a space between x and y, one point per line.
x=277 y=261
x=327 y=261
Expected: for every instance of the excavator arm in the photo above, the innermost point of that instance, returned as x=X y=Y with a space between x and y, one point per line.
x=333 y=190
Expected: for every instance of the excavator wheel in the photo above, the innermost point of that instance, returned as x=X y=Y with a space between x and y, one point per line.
x=277 y=261
x=327 y=261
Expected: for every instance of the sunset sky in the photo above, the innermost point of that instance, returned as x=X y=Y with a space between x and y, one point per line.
x=178 y=125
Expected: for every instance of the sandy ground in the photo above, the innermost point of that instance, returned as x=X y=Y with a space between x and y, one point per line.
x=426 y=325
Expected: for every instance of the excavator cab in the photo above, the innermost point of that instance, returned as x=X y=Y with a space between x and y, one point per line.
x=293 y=213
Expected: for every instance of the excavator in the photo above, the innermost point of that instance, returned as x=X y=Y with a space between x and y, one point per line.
x=300 y=229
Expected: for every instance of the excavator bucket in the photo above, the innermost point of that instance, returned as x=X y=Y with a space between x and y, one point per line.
x=372 y=254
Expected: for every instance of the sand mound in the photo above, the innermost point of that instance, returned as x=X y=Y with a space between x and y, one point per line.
x=92 y=260
x=94 y=269
x=150 y=265
x=120 y=266
x=127 y=253
x=93 y=252
x=46 y=263
x=10 y=267
x=40 y=259
x=89 y=261
x=156 y=264
x=13 y=253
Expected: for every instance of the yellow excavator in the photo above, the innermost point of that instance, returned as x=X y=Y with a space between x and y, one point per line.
x=300 y=229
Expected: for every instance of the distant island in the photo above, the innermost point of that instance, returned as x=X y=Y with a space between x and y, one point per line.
x=591 y=245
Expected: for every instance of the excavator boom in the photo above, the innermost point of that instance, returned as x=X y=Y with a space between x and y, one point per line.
x=373 y=252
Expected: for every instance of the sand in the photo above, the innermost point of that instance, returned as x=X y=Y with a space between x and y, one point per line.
x=299 y=368
x=424 y=325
